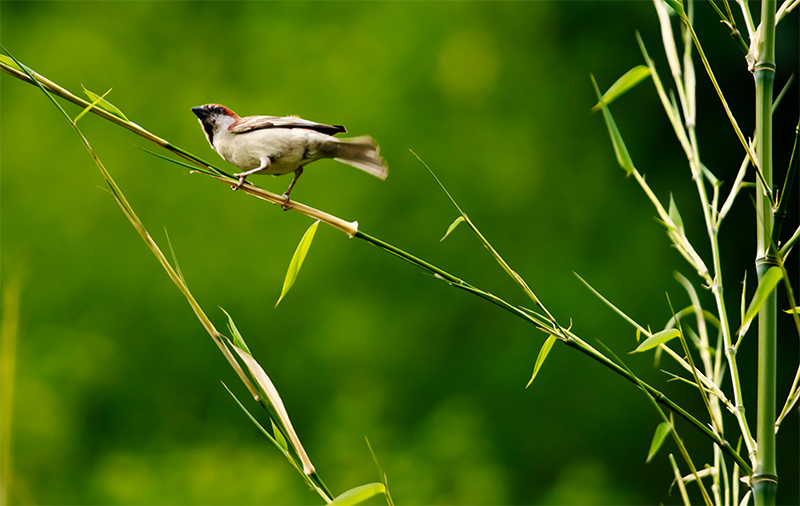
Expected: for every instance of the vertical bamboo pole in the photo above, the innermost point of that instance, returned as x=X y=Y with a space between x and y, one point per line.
x=765 y=478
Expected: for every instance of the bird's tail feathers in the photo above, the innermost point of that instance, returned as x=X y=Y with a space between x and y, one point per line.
x=362 y=153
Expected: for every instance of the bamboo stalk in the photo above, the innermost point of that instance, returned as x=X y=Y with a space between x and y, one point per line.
x=765 y=478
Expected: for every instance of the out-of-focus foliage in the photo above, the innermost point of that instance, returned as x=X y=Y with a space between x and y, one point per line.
x=118 y=398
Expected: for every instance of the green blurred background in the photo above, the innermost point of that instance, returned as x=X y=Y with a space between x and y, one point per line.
x=118 y=397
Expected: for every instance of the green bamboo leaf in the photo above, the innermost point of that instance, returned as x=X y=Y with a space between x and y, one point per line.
x=104 y=104
x=631 y=78
x=709 y=175
x=743 y=300
x=297 y=260
x=765 y=287
x=662 y=431
x=238 y=340
x=7 y=60
x=794 y=310
x=656 y=339
x=674 y=215
x=90 y=106
x=542 y=356
x=677 y=6
x=359 y=494
x=452 y=227
x=623 y=157
x=279 y=437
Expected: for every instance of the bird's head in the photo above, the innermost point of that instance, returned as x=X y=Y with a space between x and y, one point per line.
x=214 y=118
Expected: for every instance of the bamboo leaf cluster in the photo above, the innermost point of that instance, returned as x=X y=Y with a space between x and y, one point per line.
x=709 y=374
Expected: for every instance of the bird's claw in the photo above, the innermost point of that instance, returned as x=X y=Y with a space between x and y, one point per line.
x=240 y=183
x=286 y=205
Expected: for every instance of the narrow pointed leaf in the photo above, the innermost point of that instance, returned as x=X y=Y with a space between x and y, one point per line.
x=7 y=60
x=359 y=494
x=260 y=427
x=662 y=431
x=675 y=377
x=297 y=260
x=795 y=310
x=104 y=104
x=743 y=300
x=90 y=106
x=278 y=435
x=676 y=5
x=374 y=458
x=623 y=157
x=709 y=175
x=238 y=340
x=174 y=257
x=189 y=166
x=381 y=474
x=656 y=339
x=452 y=227
x=674 y=215
x=631 y=78
x=794 y=396
x=765 y=287
x=542 y=356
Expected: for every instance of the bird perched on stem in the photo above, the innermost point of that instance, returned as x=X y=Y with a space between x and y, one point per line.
x=279 y=145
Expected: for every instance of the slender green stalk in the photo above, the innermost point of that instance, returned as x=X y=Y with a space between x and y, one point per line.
x=715 y=422
x=673 y=432
x=513 y=274
x=729 y=21
x=765 y=479
x=783 y=201
x=679 y=480
x=794 y=394
x=36 y=79
x=568 y=338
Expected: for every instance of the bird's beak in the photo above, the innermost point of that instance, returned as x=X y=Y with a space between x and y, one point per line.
x=200 y=111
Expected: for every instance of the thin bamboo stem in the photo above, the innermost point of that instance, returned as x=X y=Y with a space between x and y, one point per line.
x=568 y=338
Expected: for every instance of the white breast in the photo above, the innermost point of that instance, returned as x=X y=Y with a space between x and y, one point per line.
x=287 y=148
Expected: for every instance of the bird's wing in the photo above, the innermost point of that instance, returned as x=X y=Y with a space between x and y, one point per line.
x=257 y=122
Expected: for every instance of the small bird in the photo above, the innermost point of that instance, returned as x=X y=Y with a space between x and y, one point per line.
x=279 y=145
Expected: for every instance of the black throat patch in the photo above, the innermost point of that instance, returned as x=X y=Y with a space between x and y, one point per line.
x=208 y=128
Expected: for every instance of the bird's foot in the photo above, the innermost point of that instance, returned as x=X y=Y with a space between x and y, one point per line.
x=286 y=205
x=238 y=185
